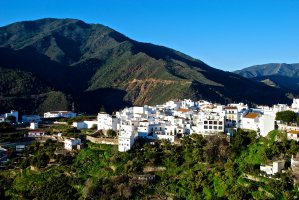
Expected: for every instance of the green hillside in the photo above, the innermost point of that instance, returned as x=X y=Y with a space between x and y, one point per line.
x=93 y=65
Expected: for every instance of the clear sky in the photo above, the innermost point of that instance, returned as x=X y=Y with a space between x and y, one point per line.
x=226 y=34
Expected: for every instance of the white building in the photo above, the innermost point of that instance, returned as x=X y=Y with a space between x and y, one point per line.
x=273 y=168
x=12 y=113
x=169 y=138
x=85 y=124
x=262 y=124
x=72 y=143
x=266 y=124
x=293 y=135
x=295 y=104
x=126 y=138
x=36 y=133
x=33 y=126
x=54 y=114
x=208 y=123
x=80 y=125
x=106 y=122
x=232 y=118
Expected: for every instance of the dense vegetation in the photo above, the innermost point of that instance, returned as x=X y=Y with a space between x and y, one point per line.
x=287 y=116
x=95 y=64
x=199 y=168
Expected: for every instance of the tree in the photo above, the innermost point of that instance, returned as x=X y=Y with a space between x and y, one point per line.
x=286 y=116
x=94 y=127
x=11 y=118
x=111 y=133
x=102 y=109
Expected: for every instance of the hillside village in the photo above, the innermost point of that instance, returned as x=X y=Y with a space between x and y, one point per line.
x=67 y=135
x=173 y=120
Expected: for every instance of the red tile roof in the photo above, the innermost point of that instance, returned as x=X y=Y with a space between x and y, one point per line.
x=251 y=115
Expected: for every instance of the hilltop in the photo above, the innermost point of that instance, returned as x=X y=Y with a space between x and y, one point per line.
x=51 y=63
x=279 y=75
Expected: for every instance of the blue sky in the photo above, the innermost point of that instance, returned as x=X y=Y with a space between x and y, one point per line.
x=226 y=34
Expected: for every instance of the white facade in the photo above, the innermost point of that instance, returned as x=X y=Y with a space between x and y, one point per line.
x=295 y=104
x=250 y=121
x=106 y=122
x=263 y=124
x=273 y=168
x=169 y=138
x=293 y=135
x=12 y=113
x=54 y=114
x=80 y=125
x=33 y=125
x=71 y=143
x=266 y=124
x=125 y=138
x=232 y=118
x=85 y=124
x=208 y=123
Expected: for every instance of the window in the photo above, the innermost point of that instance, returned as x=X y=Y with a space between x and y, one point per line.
x=205 y=122
x=220 y=127
x=215 y=122
x=220 y=123
x=210 y=122
x=210 y=127
x=215 y=127
x=205 y=127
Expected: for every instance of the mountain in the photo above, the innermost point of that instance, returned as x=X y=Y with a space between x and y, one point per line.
x=280 y=75
x=51 y=63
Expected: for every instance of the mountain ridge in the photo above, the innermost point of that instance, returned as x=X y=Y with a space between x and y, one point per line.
x=280 y=75
x=95 y=64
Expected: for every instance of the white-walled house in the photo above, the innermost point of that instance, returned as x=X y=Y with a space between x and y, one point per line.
x=263 y=124
x=208 y=123
x=91 y=123
x=80 y=125
x=54 y=114
x=293 y=135
x=13 y=113
x=33 y=125
x=36 y=133
x=169 y=138
x=106 y=122
x=85 y=124
x=250 y=121
x=126 y=138
x=295 y=104
x=266 y=124
x=273 y=168
x=72 y=143
x=232 y=118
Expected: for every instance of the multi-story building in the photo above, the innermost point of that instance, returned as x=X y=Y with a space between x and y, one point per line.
x=208 y=123
x=126 y=138
x=106 y=122
x=54 y=114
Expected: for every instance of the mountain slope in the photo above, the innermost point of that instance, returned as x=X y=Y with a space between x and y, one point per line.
x=280 y=75
x=93 y=65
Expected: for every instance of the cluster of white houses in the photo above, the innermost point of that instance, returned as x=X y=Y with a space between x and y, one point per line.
x=177 y=118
